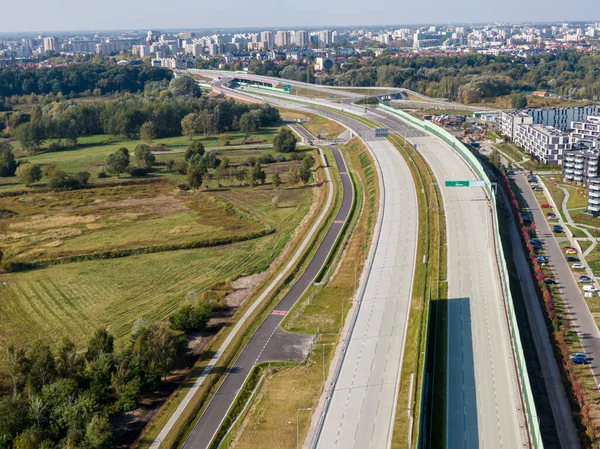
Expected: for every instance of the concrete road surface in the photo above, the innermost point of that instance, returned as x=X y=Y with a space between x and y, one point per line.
x=268 y=343
x=361 y=411
x=483 y=400
x=581 y=317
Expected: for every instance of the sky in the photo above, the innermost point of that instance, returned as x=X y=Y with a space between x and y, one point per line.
x=44 y=15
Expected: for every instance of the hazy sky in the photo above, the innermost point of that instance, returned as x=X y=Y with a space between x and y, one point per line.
x=47 y=15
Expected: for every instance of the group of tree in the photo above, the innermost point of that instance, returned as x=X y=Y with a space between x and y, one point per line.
x=79 y=78
x=146 y=118
x=120 y=161
x=64 y=399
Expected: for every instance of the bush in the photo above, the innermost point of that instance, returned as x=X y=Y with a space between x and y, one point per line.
x=55 y=146
x=190 y=317
x=102 y=174
x=137 y=172
x=83 y=177
x=180 y=167
x=281 y=158
x=184 y=187
x=266 y=159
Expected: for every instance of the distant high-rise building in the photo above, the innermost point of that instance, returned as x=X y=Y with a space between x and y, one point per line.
x=51 y=44
x=301 y=38
x=282 y=38
x=267 y=38
x=325 y=38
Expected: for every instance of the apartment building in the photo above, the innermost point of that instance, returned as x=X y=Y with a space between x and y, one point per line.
x=594 y=196
x=282 y=38
x=509 y=120
x=267 y=38
x=580 y=165
x=561 y=118
x=544 y=143
x=587 y=132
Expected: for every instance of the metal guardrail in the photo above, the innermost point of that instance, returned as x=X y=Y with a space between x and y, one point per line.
x=475 y=165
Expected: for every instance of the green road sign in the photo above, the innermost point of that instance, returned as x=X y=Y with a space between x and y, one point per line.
x=457 y=183
x=477 y=183
x=287 y=88
x=331 y=96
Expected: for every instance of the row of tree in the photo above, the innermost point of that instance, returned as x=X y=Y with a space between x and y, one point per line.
x=145 y=118
x=79 y=78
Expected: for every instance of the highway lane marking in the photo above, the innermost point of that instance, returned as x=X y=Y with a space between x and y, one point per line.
x=279 y=312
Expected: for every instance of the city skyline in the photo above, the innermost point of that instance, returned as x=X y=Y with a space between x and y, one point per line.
x=337 y=13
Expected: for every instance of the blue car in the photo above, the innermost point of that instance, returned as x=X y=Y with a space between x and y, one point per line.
x=578 y=358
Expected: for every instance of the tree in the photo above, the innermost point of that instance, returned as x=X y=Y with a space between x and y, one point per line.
x=194 y=149
x=194 y=176
x=304 y=174
x=189 y=317
x=101 y=343
x=29 y=173
x=43 y=367
x=206 y=122
x=224 y=140
x=117 y=162
x=276 y=180
x=144 y=157
x=308 y=162
x=190 y=125
x=148 y=132
x=249 y=123
x=257 y=174
x=293 y=176
x=69 y=364
x=83 y=177
x=169 y=164
x=284 y=141
x=30 y=135
x=98 y=433
x=184 y=86
x=518 y=101
x=8 y=165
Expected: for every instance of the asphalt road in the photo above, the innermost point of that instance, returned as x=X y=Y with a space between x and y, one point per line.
x=361 y=411
x=483 y=400
x=265 y=344
x=581 y=317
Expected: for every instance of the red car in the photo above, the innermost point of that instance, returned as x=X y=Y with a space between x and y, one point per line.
x=550 y=213
x=567 y=248
x=545 y=205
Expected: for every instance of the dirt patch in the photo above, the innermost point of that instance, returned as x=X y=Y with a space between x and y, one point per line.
x=53 y=244
x=179 y=229
x=12 y=235
x=55 y=234
x=242 y=287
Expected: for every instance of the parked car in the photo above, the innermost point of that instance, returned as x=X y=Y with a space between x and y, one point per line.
x=567 y=248
x=585 y=279
x=545 y=205
x=537 y=246
x=578 y=266
x=578 y=358
x=538 y=189
x=526 y=219
x=541 y=259
x=552 y=217
x=571 y=251
x=535 y=241
x=550 y=281
x=590 y=288
x=572 y=259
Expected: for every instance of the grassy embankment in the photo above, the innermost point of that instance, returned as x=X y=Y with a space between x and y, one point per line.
x=286 y=389
x=429 y=294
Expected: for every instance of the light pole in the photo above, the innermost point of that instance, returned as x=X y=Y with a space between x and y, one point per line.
x=298 y=426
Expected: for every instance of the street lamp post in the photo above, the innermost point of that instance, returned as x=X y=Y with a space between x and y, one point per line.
x=297 y=424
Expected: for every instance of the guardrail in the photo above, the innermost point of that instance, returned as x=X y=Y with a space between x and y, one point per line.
x=471 y=160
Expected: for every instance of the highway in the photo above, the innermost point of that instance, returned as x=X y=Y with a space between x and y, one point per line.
x=484 y=408
x=269 y=342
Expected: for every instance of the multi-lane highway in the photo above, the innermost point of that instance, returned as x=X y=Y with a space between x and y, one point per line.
x=484 y=407
x=484 y=403
x=266 y=343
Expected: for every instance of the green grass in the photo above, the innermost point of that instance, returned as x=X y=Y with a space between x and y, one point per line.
x=577 y=197
x=577 y=233
x=323 y=127
x=557 y=195
x=512 y=150
x=72 y=300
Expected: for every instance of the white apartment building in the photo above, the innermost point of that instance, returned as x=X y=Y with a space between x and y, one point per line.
x=587 y=132
x=509 y=120
x=545 y=143
x=594 y=196
x=561 y=118
x=580 y=166
x=267 y=38
x=282 y=38
x=301 y=38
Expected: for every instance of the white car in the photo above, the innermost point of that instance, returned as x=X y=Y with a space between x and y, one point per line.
x=578 y=266
x=590 y=288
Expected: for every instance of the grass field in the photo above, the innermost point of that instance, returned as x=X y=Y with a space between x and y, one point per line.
x=72 y=300
x=320 y=126
x=59 y=224
x=577 y=197
x=272 y=417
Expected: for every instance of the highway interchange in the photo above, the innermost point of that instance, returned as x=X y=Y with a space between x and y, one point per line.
x=483 y=401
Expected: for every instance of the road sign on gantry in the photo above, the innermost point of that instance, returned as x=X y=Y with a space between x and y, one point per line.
x=477 y=183
x=287 y=88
